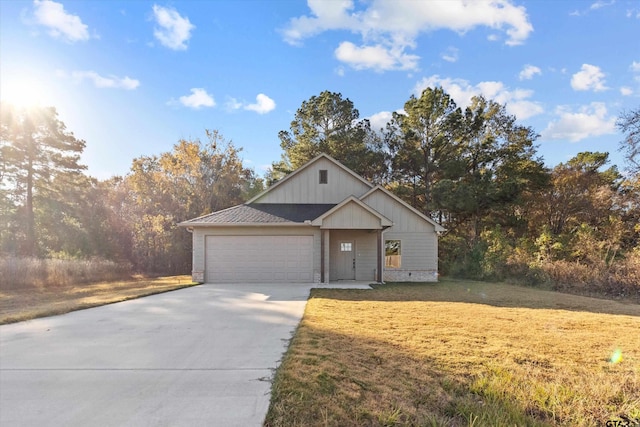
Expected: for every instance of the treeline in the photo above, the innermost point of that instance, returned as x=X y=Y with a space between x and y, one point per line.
x=474 y=170
x=50 y=208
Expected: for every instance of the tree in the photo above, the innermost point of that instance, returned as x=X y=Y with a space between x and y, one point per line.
x=329 y=124
x=421 y=143
x=629 y=124
x=580 y=192
x=39 y=158
x=193 y=179
x=583 y=211
x=500 y=164
x=485 y=166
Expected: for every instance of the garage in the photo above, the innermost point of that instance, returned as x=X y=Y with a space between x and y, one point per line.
x=251 y=259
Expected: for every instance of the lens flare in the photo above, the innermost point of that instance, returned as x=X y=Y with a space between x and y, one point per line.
x=616 y=356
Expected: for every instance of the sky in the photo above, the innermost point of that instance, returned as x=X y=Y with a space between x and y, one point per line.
x=132 y=78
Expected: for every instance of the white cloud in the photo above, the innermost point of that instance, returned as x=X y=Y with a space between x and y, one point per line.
x=376 y=57
x=389 y=27
x=626 y=91
x=594 y=6
x=232 y=104
x=379 y=120
x=528 y=72
x=517 y=101
x=106 y=82
x=199 y=98
x=451 y=54
x=589 y=121
x=60 y=23
x=635 y=67
x=173 y=30
x=590 y=77
x=263 y=104
x=600 y=4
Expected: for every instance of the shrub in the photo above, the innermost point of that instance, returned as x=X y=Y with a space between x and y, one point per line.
x=620 y=279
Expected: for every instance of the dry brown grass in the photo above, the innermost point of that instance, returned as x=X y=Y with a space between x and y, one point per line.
x=456 y=354
x=29 y=302
x=20 y=272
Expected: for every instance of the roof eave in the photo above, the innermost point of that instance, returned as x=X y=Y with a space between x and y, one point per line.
x=245 y=224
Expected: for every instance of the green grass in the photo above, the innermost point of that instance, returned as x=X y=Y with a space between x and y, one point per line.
x=458 y=353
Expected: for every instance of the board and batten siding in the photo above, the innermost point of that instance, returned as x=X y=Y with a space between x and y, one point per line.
x=351 y=216
x=366 y=253
x=419 y=240
x=200 y=234
x=403 y=218
x=305 y=187
x=418 y=251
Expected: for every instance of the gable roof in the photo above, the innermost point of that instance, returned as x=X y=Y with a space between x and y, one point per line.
x=384 y=221
x=438 y=227
x=261 y=214
x=306 y=166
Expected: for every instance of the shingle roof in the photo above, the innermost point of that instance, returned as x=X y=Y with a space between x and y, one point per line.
x=264 y=213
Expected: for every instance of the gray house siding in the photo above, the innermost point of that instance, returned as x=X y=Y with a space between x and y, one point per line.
x=365 y=253
x=351 y=216
x=403 y=218
x=419 y=240
x=305 y=186
x=419 y=257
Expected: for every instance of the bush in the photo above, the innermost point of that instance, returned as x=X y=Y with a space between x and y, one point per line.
x=620 y=280
x=35 y=272
x=494 y=256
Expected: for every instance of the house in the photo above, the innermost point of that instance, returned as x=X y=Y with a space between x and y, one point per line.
x=322 y=223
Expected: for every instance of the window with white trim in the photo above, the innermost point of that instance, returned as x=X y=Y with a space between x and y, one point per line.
x=323 y=176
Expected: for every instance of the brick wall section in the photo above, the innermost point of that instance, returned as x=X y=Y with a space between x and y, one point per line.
x=410 y=276
x=197 y=276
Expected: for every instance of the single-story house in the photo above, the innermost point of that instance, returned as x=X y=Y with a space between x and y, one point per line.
x=322 y=223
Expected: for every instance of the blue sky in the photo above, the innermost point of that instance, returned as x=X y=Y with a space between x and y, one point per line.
x=131 y=78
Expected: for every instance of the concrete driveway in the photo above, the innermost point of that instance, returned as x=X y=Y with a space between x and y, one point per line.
x=201 y=356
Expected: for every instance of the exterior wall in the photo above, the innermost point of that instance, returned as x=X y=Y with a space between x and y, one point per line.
x=403 y=219
x=304 y=187
x=419 y=257
x=410 y=276
x=366 y=253
x=419 y=241
x=351 y=216
x=200 y=233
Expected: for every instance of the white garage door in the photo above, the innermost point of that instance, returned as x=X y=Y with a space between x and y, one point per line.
x=251 y=259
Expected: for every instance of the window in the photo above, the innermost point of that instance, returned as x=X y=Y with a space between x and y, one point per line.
x=346 y=246
x=324 y=176
x=392 y=254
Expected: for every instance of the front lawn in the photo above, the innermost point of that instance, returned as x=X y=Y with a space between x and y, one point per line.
x=459 y=353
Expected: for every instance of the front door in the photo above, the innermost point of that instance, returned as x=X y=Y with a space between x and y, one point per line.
x=347 y=260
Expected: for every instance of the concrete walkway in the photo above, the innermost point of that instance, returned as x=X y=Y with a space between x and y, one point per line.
x=201 y=356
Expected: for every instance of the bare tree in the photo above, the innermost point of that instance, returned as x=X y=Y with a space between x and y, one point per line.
x=629 y=124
